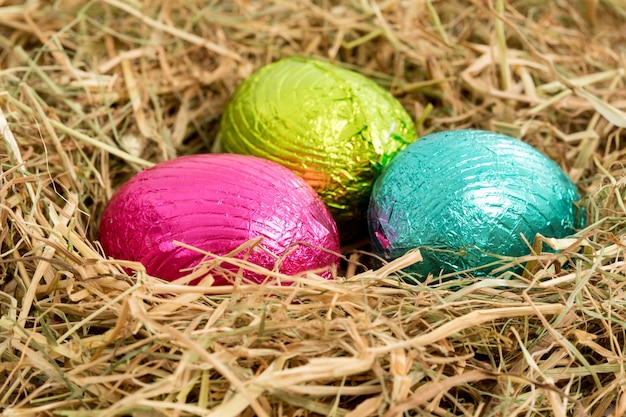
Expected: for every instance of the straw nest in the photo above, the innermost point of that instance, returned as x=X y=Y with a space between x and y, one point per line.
x=91 y=92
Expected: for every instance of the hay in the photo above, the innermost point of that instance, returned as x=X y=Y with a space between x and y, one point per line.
x=92 y=92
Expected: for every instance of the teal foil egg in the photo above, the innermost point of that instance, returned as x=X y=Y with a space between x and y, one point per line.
x=333 y=127
x=463 y=196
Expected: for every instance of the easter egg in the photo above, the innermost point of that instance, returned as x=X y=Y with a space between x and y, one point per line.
x=466 y=197
x=332 y=126
x=216 y=202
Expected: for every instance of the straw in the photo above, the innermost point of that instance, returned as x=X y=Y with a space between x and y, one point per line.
x=93 y=92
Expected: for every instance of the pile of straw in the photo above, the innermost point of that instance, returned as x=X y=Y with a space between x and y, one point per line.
x=93 y=91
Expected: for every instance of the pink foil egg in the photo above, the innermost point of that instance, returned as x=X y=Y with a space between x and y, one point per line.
x=216 y=202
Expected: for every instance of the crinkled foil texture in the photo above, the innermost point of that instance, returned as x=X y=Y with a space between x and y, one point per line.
x=216 y=202
x=333 y=127
x=463 y=195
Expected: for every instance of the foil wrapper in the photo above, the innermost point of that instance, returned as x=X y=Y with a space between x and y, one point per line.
x=464 y=197
x=216 y=202
x=335 y=128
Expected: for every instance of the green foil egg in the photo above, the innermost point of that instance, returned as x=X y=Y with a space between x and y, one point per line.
x=466 y=198
x=334 y=127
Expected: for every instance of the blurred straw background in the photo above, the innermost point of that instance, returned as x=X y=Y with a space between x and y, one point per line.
x=91 y=92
